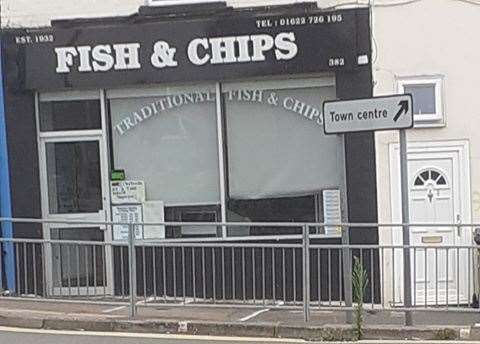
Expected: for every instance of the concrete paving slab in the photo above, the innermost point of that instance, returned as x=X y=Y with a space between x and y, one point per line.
x=371 y=318
x=194 y=314
x=54 y=305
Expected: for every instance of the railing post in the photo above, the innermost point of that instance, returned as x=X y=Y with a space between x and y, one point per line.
x=8 y=257
x=47 y=268
x=306 y=272
x=132 y=271
x=347 y=273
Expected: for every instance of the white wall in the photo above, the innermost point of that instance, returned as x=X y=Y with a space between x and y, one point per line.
x=424 y=38
x=429 y=37
x=37 y=13
x=28 y=13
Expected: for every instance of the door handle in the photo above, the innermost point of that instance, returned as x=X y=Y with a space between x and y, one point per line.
x=459 y=228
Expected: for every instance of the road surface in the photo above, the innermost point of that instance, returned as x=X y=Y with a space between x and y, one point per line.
x=10 y=335
x=29 y=336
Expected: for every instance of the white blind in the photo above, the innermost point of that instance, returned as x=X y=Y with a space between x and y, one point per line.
x=276 y=152
x=174 y=151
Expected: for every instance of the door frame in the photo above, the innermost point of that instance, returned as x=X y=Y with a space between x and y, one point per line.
x=99 y=135
x=461 y=172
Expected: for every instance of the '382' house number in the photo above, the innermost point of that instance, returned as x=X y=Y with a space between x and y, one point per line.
x=336 y=62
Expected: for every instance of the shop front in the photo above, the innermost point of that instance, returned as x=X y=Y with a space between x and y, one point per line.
x=187 y=117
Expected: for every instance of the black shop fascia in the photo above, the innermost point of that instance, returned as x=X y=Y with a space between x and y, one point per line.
x=202 y=113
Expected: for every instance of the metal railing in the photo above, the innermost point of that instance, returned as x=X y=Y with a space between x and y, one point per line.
x=301 y=269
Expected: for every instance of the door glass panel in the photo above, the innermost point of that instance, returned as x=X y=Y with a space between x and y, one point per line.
x=70 y=115
x=73 y=176
x=78 y=265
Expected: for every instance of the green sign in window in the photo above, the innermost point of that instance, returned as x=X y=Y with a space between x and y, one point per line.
x=117 y=175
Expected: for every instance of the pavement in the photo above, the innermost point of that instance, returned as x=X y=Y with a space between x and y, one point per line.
x=232 y=321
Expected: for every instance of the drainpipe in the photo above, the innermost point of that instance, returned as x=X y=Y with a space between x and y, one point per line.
x=7 y=259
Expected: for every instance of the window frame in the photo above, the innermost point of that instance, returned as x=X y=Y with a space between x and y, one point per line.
x=157 y=90
x=69 y=96
x=433 y=119
x=441 y=173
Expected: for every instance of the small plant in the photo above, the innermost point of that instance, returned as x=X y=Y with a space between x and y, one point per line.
x=360 y=281
x=475 y=302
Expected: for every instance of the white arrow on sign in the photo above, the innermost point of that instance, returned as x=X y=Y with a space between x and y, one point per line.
x=368 y=114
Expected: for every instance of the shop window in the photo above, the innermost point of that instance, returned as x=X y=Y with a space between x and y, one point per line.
x=168 y=139
x=70 y=115
x=281 y=209
x=278 y=161
x=279 y=158
x=427 y=99
x=170 y=142
x=193 y=214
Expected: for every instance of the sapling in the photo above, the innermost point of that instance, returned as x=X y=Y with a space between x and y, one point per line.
x=360 y=281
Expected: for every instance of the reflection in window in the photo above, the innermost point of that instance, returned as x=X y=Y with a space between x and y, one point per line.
x=78 y=266
x=73 y=175
x=192 y=214
x=70 y=115
x=279 y=158
x=441 y=181
x=426 y=95
x=282 y=209
x=423 y=98
x=174 y=150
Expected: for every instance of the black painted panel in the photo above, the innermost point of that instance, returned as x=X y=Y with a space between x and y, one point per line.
x=317 y=37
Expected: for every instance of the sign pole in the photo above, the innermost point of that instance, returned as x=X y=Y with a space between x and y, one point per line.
x=407 y=290
x=347 y=272
x=370 y=114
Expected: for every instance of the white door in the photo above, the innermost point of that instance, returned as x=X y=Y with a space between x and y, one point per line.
x=73 y=173
x=432 y=201
x=439 y=268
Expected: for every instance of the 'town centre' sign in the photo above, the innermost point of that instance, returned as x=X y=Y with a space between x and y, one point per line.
x=379 y=113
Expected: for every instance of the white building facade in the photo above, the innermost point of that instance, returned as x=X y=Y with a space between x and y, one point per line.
x=425 y=48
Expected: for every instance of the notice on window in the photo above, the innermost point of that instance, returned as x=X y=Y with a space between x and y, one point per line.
x=332 y=210
x=126 y=214
x=127 y=191
x=153 y=213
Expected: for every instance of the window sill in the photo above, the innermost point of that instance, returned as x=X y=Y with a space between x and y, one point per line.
x=427 y=124
x=248 y=238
